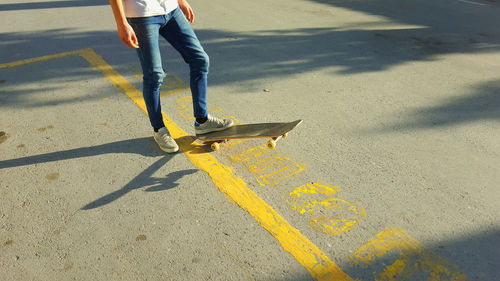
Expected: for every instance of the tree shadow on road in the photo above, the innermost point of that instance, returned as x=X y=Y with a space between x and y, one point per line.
x=471 y=256
x=51 y=5
x=408 y=32
x=243 y=59
x=287 y=53
x=483 y=103
x=479 y=103
x=464 y=257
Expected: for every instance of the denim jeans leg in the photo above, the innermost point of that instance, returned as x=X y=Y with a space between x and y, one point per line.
x=179 y=33
x=147 y=32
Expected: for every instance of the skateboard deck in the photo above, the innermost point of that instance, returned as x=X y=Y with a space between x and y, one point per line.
x=275 y=131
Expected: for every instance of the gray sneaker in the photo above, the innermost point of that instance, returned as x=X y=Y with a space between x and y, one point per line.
x=212 y=124
x=165 y=141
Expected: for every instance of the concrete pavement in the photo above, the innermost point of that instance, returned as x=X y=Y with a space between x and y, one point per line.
x=392 y=175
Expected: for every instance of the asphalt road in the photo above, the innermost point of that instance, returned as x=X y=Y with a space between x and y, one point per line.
x=393 y=175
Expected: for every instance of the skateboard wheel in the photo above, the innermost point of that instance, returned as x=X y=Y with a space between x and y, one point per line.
x=271 y=144
x=284 y=135
x=215 y=146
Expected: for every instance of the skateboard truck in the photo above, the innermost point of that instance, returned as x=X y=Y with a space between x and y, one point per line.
x=272 y=142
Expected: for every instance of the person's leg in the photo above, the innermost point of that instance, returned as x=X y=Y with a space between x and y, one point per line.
x=147 y=32
x=179 y=33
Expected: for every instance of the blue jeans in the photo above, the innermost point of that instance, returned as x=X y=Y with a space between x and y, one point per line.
x=175 y=28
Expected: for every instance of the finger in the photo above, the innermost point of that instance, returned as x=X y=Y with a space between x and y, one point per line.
x=191 y=14
x=125 y=41
x=135 y=43
x=129 y=42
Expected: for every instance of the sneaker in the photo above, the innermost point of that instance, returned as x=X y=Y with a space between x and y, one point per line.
x=212 y=124
x=165 y=141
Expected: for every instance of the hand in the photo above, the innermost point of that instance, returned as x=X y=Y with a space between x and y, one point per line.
x=186 y=9
x=127 y=35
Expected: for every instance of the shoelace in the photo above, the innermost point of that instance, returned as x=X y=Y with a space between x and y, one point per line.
x=165 y=137
x=216 y=120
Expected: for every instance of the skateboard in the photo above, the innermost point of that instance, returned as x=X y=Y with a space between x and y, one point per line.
x=274 y=131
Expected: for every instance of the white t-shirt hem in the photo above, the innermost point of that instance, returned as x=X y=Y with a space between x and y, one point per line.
x=148 y=8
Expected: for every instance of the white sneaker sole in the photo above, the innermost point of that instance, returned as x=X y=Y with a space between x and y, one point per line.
x=169 y=150
x=166 y=149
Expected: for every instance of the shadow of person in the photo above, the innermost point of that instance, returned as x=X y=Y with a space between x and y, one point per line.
x=143 y=146
x=170 y=181
x=144 y=179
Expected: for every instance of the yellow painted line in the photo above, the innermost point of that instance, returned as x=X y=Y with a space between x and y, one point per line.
x=327 y=214
x=413 y=257
x=251 y=154
x=171 y=85
x=185 y=108
x=283 y=173
x=304 y=251
x=39 y=59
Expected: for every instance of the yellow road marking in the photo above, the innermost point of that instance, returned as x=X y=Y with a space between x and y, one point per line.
x=265 y=164
x=284 y=168
x=171 y=85
x=284 y=172
x=414 y=257
x=251 y=154
x=185 y=107
x=39 y=59
x=304 y=251
x=329 y=215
